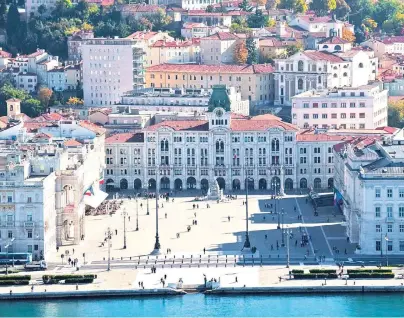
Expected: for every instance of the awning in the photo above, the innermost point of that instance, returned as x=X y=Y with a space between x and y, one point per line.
x=96 y=199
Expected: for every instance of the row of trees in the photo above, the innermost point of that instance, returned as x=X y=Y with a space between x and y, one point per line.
x=367 y=15
x=50 y=31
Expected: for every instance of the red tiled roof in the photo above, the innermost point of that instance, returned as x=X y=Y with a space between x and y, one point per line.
x=321 y=137
x=390 y=130
x=5 y=54
x=393 y=39
x=273 y=42
x=222 y=36
x=333 y=40
x=43 y=135
x=72 y=143
x=204 y=13
x=35 y=54
x=93 y=127
x=260 y=125
x=236 y=125
x=125 y=137
x=211 y=69
x=32 y=126
x=313 y=19
x=146 y=8
x=265 y=117
x=196 y=125
x=162 y=43
x=140 y=35
x=4 y=119
x=323 y=56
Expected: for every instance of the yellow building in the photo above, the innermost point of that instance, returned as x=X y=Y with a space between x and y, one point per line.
x=254 y=82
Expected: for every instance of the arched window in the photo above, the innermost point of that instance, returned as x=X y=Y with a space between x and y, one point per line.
x=219 y=146
x=319 y=79
x=164 y=145
x=275 y=144
x=325 y=46
x=300 y=66
x=345 y=74
x=300 y=84
x=337 y=48
x=360 y=65
x=335 y=75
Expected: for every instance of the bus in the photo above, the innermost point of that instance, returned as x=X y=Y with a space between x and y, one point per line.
x=15 y=258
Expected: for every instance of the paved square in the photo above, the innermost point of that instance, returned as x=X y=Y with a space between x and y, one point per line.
x=214 y=231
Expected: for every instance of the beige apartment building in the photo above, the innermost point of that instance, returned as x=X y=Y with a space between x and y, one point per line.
x=254 y=82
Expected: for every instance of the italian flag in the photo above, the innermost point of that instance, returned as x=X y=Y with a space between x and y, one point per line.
x=89 y=191
x=102 y=180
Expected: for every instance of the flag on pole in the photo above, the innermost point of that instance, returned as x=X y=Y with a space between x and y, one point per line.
x=102 y=180
x=89 y=191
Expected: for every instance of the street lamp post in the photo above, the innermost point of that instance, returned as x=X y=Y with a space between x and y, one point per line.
x=247 y=243
x=387 y=248
x=7 y=246
x=147 y=202
x=283 y=239
x=124 y=213
x=137 y=214
x=109 y=248
x=381 y=245
x=288 y=233
x=157 y=243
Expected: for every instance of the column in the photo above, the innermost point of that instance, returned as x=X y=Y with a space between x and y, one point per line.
x=282 y=177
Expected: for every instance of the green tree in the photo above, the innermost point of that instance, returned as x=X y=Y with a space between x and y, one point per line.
x=298 y=6
x=386 y=9
x=323 y=7
x=14 y=27
x=396 y=114
x=257 y=20
x=32 y=107
x=342 y=9
x=293 y=49
x=3 y=14
x=252 y=57
x=245 y=5
x=209 y=8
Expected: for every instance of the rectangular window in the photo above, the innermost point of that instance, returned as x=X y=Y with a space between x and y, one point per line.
x=401 y=246
x=377 y=193
x=378 y=228
x=377 y=211
x=401 y=211
x=378 y=246
x=401 y=228
x=390 y=228
x=401 y=193
x=29 y=233
x=389 y=193
x=389 y=211
x=390 y=246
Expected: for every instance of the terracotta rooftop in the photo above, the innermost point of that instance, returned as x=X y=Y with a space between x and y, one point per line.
x=36 y=54
x=323 y=56
x=222 y=36
x=393 y=39
x=204 y=13
x=93 y=127
x=333 y=40
x=43 y=136
x=314 y=19
x=321 y=137
x=272 y=42
x=212 y=69
x=236 y=125
x=72 y=143
x=142 y=35
x=162 y=43
x=125 y=137
x=146 y=8
x=5 y=54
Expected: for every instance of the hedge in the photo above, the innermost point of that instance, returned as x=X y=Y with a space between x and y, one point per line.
x=297 y=271
x=371 y=275
x=14 y=277
x=64 y=277
x=14 y=282
x=79 y=281
x=369 y=271
x=54 y=279
x=326 y=271
x=315 y=276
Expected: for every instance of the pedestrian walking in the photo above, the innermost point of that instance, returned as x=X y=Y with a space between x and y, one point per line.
x=228 y=218
x=178 y=235
x=116 y=232
x=165 y=215
x=204 y=250
x=129 y=218
x=32 y=288
x=197 y=206
x=195 y=214
x=57 y=249
x=77 y=286
x=236 y=280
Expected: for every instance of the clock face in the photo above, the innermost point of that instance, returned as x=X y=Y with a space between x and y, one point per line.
x=219 y=113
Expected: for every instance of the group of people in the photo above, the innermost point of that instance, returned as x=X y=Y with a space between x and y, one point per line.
x=105 y=207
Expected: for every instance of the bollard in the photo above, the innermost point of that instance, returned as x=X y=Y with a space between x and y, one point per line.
x=173 y=261
x=180 y=265
x=217 y=261
x=144 y=267
x=136 y=267
x=165 y=256
x=104 y=258
x=189 y=265
x=164 y=261
x=130 y=258
x=147 y=262
x=121 y=258
x=112 y=258
x=191 y=256
x=155 y=262
x=199 y=261
x=225 y=265
x=147 y=257
x=216 y=265
x=209 y=260
x=171 y=266
x=182 y=261
x=138 y=262
x=198 y=265
x=191 y=260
